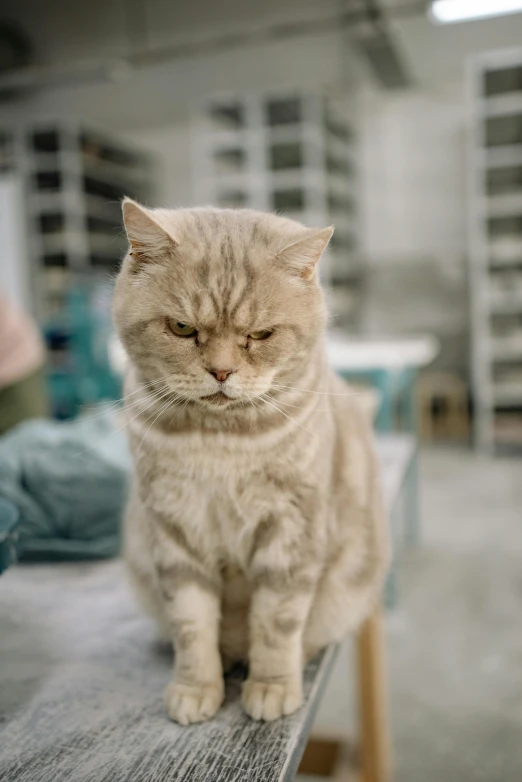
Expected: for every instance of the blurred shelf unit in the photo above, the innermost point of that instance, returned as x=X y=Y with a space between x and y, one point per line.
x=74 y=179
x=289 y=152
x=495 y=246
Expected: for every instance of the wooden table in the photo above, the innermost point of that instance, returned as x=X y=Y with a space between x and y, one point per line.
x=81 y=682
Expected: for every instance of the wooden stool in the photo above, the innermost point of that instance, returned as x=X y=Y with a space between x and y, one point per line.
x=451 y=420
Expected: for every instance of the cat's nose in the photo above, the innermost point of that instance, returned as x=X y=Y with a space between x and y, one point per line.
x=221 y=374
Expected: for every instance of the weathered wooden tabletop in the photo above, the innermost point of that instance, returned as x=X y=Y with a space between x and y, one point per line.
x=81 y=683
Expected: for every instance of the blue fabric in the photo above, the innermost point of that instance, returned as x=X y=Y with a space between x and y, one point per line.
x=69 y=483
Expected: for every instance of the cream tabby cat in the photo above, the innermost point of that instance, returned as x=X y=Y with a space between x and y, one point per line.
x=255 y=530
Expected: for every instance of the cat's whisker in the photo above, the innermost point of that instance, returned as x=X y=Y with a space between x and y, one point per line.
x=119 y=429
x=121 y=408
x=282 y=388
x=162 y=409
x=178 y=398
x=254 y=405
x=141 y=388
x=272 y=404
x=187 y=398
x=289 y=404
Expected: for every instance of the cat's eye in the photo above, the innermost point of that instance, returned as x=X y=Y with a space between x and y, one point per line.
x=260 y=334
x=181 y=329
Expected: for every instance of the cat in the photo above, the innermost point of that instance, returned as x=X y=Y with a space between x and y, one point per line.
x=255 y=530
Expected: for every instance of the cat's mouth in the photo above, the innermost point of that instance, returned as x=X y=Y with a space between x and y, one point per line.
x=218 y=398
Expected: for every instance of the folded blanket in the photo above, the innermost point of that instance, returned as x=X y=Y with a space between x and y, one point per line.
x=69 y=483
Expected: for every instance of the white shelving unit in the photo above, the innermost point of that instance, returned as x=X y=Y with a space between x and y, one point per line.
x=495 y=246
x=289 y=152
x=73 y=178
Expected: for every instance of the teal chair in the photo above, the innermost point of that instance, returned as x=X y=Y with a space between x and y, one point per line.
x=83 y=375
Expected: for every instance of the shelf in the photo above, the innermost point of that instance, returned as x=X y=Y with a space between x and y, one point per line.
x=505 y=356
x=338 y=182
x=229 y=114
x=226 y=139
x=508 y=205
x=291 y=133
x=306 y=216
x=338 y=147
x=505 y=156
x=495 y=245
x=105 y=172
x=506 y=304
x=91 y=205
x=503 y=105
x=507 y=394
x=509 y=438
x=506 y=349
x=302 y=176
x=267 y=135
x=62 y=242
x=498 y=264
x=100 y=207
x=46 y=202
x=344 y=222
x=503 y=131
x=505 y=251
x=508 y=429
x=100 y=148
x=45 y=162
x=110 y=172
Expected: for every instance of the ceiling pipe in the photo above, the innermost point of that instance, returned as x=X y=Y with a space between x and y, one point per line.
x=380 y=51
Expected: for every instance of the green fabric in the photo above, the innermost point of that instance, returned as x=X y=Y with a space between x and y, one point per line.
x=23 y=400
x=69 y=482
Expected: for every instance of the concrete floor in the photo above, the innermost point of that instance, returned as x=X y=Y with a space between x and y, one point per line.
x=454 y=643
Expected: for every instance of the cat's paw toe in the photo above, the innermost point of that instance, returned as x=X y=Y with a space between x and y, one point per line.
x=271 y=700
x=193 y=703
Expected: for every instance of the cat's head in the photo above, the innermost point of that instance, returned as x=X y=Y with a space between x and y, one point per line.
x=220 y=303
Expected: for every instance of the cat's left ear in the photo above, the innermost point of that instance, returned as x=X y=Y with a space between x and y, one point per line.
x=149 y=241
x=302 y=256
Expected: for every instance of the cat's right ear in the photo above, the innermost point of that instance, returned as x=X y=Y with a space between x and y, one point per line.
x=149 y=241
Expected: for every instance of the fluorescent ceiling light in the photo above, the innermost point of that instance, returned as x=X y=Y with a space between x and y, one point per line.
x=445 y=11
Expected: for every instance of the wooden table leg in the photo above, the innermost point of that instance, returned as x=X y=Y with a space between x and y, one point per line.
x=374 y=741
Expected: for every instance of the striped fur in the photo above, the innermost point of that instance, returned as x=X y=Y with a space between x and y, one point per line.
x=255 y=530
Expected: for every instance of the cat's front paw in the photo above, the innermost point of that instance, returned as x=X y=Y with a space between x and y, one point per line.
x=271 y=700
x=193 y=703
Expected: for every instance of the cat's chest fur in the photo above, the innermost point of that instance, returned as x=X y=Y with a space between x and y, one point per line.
x=217 y=491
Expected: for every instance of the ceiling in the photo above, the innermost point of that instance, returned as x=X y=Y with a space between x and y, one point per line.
x=62 y=31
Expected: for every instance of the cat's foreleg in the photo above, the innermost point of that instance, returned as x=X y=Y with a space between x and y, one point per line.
x=192 y=602
x=284 y=576
x=277 y=619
